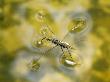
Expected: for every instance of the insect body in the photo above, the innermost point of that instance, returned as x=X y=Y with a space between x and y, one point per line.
x=68 y=58
x=59 y=43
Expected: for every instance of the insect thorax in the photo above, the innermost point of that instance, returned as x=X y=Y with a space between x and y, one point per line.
x=58 y=42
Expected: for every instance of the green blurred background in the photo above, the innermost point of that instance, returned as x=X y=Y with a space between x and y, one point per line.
x=17 y=21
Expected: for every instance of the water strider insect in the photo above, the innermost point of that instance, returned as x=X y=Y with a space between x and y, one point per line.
x=68 y=57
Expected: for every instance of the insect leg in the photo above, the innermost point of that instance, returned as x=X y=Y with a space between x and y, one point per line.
x=43 y=39
x=50 y=49
x=62 y=54
x=68 y=51
x=62 y=50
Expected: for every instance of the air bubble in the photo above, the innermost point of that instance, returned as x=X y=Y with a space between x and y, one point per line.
x=38 y=43
x=34 y=65
x=77 y=25
x=43 y=15
x=40 y=15
x=68 y=60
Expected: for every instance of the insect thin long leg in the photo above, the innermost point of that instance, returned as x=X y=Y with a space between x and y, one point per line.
x=47 y=27
x=69 y=51
x=45 y=53
x=51 y=48
x=62 y=50
x=43 y=39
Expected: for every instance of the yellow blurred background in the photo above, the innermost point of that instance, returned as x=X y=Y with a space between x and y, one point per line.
x=19 y=21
